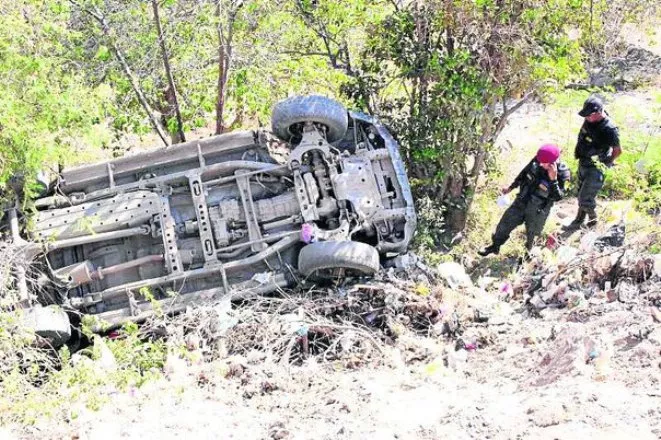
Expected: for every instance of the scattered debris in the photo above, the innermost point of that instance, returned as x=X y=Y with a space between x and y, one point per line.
x=566 y=254
x=657 y=265
x=656 y=314
x=352 y=325
x=457 y=359
x=262 y=277
x=569 y=355
x=613 y=237
x=603 y=268
x=349 y=324
x=454 y=274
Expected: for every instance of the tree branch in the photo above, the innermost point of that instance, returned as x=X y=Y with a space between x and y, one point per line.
x=507 y=112
x=304 y=54
x=395 y=5
x=107 y=32
x=168 y=72
x=224 y=59
x=318 y=28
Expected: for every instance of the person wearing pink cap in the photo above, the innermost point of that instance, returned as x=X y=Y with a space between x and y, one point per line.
x=541 y=183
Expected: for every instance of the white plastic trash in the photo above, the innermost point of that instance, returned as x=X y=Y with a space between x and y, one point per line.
x=503 y=201
x=641 y=167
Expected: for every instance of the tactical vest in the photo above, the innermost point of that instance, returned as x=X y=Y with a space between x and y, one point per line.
x=537 y=182
x=595 y=140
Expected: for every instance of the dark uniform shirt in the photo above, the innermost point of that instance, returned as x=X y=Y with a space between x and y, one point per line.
x=596 y=140
x=534 y=180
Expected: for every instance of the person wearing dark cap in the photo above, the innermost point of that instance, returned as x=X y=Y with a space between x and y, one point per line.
x=599 y=140
x=540 y=183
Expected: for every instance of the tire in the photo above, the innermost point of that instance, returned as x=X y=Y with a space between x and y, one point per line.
x=335 y=259
x=289 y=114
x=51 y=323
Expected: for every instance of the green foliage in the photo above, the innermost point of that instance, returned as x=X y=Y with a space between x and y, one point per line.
x=430 y=68
x=637 y=175
x=444 y=76
x=138 y=360
x=262 y=38
x=46 y=109
x=428 y=229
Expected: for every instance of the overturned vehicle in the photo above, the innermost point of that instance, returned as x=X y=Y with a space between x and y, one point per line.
x=216 y=217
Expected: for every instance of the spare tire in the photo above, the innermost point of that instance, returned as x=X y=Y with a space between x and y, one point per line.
x=289 y=115
x=333 y=259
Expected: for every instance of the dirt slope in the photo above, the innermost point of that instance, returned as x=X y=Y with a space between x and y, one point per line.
x=523 y=384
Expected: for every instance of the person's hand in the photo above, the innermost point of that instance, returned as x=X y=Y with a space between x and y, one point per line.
x=552 y=170
x=505 y=190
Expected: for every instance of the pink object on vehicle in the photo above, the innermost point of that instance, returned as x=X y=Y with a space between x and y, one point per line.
x=307 y=233
x=548 y=153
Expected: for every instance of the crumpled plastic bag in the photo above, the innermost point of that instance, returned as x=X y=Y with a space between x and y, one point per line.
x=262 y=278
x=503 y=201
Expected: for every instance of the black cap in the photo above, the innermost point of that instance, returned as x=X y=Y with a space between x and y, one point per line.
x=591 y=105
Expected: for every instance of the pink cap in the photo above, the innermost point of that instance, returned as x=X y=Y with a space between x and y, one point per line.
x=548 y=153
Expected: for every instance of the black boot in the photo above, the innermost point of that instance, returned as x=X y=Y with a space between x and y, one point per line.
x=491 y=249
x=577 y=222
x=592 y=219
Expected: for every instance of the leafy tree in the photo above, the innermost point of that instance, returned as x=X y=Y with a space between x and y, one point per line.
x=174 y=63
x=446 y=75
x=48 y=115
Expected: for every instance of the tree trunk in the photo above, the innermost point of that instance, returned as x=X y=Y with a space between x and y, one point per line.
x=239 y=117
x=138 y=91
x=167 y=108
x=98 y=16
x=222 y=83
x=456 y=207
x=170 y=93
x=462 y=187
x=224 y=60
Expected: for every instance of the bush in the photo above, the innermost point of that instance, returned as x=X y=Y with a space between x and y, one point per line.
x=637 y=175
